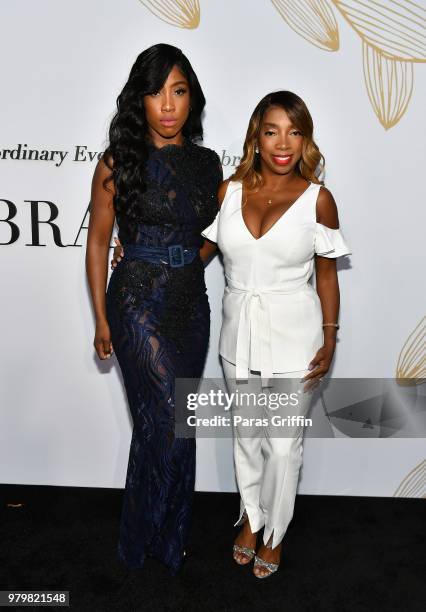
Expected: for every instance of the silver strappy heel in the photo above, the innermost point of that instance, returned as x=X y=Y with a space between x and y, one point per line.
x=261 y=563
x=243 y=550
x=271 y=567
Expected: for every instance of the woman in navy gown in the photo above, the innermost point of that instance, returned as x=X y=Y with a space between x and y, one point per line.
x=161 y=188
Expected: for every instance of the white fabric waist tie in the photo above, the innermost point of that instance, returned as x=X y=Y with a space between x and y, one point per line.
x=255 y=316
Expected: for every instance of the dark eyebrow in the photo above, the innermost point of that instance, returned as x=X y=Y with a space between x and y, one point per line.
x=291 y=127
x=179 y=83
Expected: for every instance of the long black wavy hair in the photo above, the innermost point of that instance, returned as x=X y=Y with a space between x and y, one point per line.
x=127 y=152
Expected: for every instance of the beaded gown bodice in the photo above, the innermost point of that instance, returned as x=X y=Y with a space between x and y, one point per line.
x=180 y=198
x=179 y=201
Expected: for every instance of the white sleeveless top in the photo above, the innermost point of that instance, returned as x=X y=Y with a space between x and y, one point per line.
x=272 y=317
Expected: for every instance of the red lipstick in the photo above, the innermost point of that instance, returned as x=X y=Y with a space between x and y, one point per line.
x=282 y=160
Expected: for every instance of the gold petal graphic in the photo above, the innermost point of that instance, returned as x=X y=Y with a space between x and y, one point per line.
x=389 y=85
x=414 y=484
x=180 y=13
x=314 y=20
x=411 y=366
x=396 y=28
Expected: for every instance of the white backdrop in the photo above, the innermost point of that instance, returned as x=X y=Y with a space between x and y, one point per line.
x=64 y=420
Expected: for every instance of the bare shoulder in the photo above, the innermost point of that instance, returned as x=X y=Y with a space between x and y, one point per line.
x=327 y=209
x=222 y=191
x=103 y=174
x=102 y=169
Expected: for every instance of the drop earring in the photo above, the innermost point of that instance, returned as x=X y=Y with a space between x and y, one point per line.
x=256 y=149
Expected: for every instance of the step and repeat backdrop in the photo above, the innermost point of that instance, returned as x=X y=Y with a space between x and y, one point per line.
x=359 y=68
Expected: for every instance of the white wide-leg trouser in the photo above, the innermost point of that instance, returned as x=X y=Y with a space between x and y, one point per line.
x=268 y=458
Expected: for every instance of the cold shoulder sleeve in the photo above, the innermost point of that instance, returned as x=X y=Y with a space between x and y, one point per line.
x=210 y=232
x=330 y=242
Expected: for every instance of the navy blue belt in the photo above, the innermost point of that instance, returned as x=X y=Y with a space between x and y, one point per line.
x=175 y=255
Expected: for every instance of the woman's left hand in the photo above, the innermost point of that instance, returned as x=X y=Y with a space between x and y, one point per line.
x=118 y=253
x=319 y=365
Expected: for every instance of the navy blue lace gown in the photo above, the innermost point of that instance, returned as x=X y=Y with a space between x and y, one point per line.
x=159 y=317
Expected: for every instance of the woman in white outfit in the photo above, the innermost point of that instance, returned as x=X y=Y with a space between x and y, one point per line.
x=276 y=219
x=276 y=223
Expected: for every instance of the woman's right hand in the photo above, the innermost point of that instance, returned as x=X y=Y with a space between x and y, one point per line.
x=102 y=341
x=118 y=253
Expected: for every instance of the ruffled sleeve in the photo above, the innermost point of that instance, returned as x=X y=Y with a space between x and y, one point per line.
x=330 y=242
x=210 y=232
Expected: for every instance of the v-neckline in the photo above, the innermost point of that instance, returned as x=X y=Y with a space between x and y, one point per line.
x=279 y=218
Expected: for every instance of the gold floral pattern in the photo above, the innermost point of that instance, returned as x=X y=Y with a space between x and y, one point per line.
x=414 y=484
x=411 y=366
x=179 y=13
x=315 y=21
x=393 y=39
